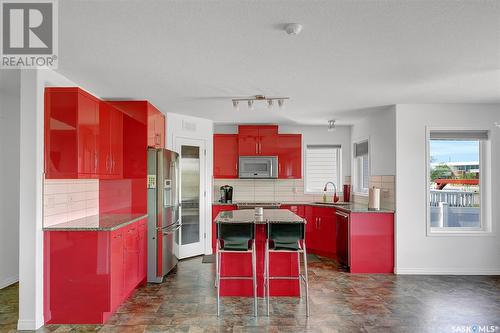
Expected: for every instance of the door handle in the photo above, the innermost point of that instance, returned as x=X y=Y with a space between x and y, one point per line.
x=256 y=148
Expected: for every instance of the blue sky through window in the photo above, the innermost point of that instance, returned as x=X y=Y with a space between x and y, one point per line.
x=443 y=151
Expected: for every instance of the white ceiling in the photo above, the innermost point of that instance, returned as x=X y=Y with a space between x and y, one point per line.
x=191 y=57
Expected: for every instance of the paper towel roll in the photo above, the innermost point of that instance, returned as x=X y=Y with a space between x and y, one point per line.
x=374 y=198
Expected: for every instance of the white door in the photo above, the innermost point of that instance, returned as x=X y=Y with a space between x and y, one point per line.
x=192 y=193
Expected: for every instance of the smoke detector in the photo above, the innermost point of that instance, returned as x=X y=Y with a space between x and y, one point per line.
x=293 y=28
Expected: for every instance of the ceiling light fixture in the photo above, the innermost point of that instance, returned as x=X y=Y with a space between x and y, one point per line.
x=258 y=98
x=497 y=124
x=293 y=28
x=331 y=125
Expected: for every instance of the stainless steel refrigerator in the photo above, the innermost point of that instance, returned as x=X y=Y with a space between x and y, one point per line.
x=163 y=212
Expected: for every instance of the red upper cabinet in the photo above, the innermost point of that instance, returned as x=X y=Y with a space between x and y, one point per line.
x=156 y=127
x=225 y=156
x=290 y=156
x=111 y=141
x=71 y=134
x=254 y=140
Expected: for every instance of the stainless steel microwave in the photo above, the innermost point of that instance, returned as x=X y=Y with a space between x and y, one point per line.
x=258 y=167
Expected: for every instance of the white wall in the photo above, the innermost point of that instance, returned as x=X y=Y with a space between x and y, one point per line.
x=312 y=135
x=33 y=83
x=417 y=253
x=180 y=126
x=380 y=128
x=10 y=81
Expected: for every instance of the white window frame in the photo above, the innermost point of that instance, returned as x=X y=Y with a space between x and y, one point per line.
x=354 y=168
x=485 y=190
x=339 y=170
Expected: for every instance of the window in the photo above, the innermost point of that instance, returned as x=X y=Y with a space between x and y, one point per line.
x=455 y=181
x=322 y=166
x=361 y=167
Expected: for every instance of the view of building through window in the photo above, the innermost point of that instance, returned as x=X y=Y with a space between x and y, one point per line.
x=454 y=183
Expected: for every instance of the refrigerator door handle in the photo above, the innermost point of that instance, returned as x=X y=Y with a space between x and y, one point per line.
x=173 y=230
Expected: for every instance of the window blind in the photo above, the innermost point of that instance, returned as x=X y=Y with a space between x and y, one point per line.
x=459 y=135
x=322 y=166
x=361 y=148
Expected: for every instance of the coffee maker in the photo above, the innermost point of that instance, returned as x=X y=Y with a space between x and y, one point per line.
x=226 y=194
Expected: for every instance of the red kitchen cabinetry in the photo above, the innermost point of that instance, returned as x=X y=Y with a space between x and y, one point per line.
x=300 y=210
x=145 y=113
x=117 y=272
x=88 y=274
x=290 y=156
x=156 y=127
x=256 y=140
x=71 y=134
x=225 y=156
x=370 y=242
x=111 y=142
x=216 y=209
x=320 y=230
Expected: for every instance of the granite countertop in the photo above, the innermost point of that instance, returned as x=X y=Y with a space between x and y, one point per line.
x=269 y=216
x=347 y=207
x=100 y=222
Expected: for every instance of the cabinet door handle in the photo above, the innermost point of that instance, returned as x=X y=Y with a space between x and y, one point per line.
x=256 y=148
x=260 y=148
x=96 y=161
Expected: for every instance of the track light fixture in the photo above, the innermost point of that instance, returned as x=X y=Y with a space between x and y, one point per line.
x=331 y=125
x=251 y=101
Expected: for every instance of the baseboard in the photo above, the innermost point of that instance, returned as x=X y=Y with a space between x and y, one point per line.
x=28 y=325
x=446 y=271
x=8 y=281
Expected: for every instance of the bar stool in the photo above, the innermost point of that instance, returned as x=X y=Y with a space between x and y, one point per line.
x=235 y=238
x=286 y=237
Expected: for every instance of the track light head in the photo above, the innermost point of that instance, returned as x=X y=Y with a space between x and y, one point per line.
x=331 y=125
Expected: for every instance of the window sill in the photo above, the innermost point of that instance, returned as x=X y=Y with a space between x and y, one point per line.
x=459 y=233
x=360 y=194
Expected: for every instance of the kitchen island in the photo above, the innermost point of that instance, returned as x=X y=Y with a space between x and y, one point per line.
x=358 y=238
x=239 y=264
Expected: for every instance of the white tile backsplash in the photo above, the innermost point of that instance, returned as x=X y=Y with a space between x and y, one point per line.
x=69 y=199
x=279 y=190
x=386 y=183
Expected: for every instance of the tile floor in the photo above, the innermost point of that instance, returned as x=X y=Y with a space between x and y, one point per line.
x=340 y=302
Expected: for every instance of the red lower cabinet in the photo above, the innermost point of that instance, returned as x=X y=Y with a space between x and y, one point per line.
x=117 y=272
x=371 y=242
x=88 y=274
x=321 y=230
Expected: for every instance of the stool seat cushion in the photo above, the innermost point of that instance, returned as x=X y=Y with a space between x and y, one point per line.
x=235 y=244
x=290 y=244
